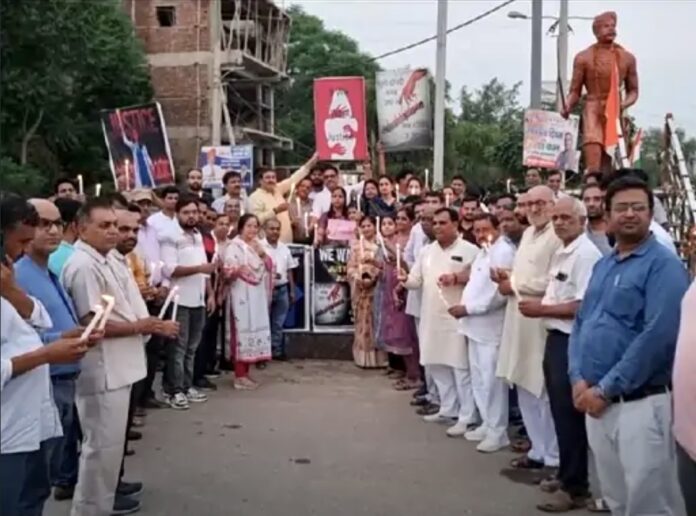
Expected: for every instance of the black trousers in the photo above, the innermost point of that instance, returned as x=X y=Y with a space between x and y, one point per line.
x=570 y=424
x=206 y=354
x=687 y=479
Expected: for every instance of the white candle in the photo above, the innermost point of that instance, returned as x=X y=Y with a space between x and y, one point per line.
x=167 y=301
x=107 y=310
x=98 y=311
x=127 y=187
x=97 y=189
x=299 y=206
x=427 y=176
x=508 y=186
x=176 y=307
x=358 y=199
x=316 y=233
x=80 y=185
x=447 y=200
x=398 y=257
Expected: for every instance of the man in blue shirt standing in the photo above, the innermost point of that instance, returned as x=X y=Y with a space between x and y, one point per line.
x=34 y=276
x=620 y=358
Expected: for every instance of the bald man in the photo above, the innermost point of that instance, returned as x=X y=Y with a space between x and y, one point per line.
x=33 y=275
x=524 y=338
x=571 y=268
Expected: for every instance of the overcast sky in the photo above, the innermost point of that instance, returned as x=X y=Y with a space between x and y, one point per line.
x=660 y=33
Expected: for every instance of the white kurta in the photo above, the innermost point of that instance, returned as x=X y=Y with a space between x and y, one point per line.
x=440 y=342
x=524 y=339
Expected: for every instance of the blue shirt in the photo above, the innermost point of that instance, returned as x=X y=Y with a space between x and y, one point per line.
x=625 y=332
x=44 y=286
x=58 y=257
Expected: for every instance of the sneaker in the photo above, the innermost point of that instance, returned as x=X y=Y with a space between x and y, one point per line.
x=193 y=396
x=458 y=429
x=437 y=418
x=178 y=401
x=129 y=488
x=125 y=505
x=490 y=445
x=476 y=435
x=205 y=384
x=61 y=493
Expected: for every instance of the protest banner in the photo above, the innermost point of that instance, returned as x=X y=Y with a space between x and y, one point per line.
x=339 y=230
x=404 y=111
x=331 y=305
x=550 y=140
x=139 y=153
x=340 y=122
x=214 y=162
x=298 y=315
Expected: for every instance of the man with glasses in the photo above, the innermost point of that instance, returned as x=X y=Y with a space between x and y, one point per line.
x=620 y=356
x=233 y=188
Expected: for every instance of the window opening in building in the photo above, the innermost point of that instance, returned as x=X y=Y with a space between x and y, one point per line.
x=166 y=15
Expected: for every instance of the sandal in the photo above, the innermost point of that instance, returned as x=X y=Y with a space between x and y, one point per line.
x=550 y=484
x=525 y=462
x=521 y=446
x=406 y=385
x=597 y=505
x=245 y=384
x=561 y=501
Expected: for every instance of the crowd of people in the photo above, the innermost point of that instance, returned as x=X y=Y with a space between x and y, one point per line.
x=567 y=311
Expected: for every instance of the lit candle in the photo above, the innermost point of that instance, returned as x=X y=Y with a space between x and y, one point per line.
x=127 y=186
x=508 y=185
x=168 y=301
x=316 y=234
x=107 y=310
x=398 y=257
x=447 y=200
x=306 y=224
x=427 y=178
x=358 y=199
x=97 y=189
x=176 y=307
x=80 y=185
x=98 y=311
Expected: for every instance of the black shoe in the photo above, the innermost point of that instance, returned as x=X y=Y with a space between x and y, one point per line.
x=154 y=403
x=129 y=452
x=420 y=392
x=125 y=505
x=129 y=488
x=427 y=410
x=421 y=401
x=134 y=435
x=205 y=385
x=61 y=493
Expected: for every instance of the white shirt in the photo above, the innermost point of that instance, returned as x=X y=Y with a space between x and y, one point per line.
x=186 y=249
x=485 y=305
x=663 y=236
x=282 y=261
x=416 y=241
x=569 y=274
x=219 y=203
x=27 y=412
x=162 y=224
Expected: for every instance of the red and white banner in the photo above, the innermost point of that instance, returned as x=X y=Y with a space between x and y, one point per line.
x=340 y=121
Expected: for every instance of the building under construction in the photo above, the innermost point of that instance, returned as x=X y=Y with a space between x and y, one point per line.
x=215 y=65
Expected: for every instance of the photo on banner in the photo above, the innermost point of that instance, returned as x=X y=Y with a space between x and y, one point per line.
x=331 y=304
x=214 y=162
x=340 y=120
x=550 y=141
x=404 y=113
x=139 y=153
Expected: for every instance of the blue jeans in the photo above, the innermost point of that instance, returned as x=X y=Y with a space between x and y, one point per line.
x=63 y=459
x=24 y=482
x=280 y=304
x=181 y=353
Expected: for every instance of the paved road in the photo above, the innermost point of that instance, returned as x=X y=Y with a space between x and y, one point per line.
x=318 y=438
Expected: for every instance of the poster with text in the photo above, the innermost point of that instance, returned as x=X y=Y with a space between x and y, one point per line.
x=298 y=314
x=340 y=122
x=331 y=306
x=139 y=153
x=550 y=140
x=404 y=112
x=214 y=162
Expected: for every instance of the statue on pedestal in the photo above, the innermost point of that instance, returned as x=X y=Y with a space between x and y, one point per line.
x=593 y=68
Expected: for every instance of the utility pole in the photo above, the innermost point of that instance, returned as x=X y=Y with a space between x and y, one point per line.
x=216 y=82
x=440 y=63
x=562 y=57
x=535 y=84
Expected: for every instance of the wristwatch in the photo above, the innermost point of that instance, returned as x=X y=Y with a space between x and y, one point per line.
x=600 y=392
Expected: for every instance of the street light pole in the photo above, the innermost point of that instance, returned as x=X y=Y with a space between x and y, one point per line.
x=562 y=55
x=535 y=84
x=440 y=62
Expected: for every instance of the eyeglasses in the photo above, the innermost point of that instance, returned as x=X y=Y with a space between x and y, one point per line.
x=46 y=223
x=635 y=207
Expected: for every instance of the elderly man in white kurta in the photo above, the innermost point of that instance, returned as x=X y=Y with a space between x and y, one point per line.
x=443 y=349
x=524 y=339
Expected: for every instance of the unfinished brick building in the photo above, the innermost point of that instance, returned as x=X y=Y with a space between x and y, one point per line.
x=215 y=65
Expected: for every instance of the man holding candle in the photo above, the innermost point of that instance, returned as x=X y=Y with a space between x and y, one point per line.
x=187 y=267
x=522 y=347
x=442 y=349
x=301 y=211
x=110 y=369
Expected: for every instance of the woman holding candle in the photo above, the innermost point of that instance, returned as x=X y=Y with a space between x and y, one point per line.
x=363 y=272
x=337 y=212
x=395 y=331
x=248 y=272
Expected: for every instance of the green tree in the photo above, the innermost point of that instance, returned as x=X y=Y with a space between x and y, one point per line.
x=62 y=62
x=315 y=52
